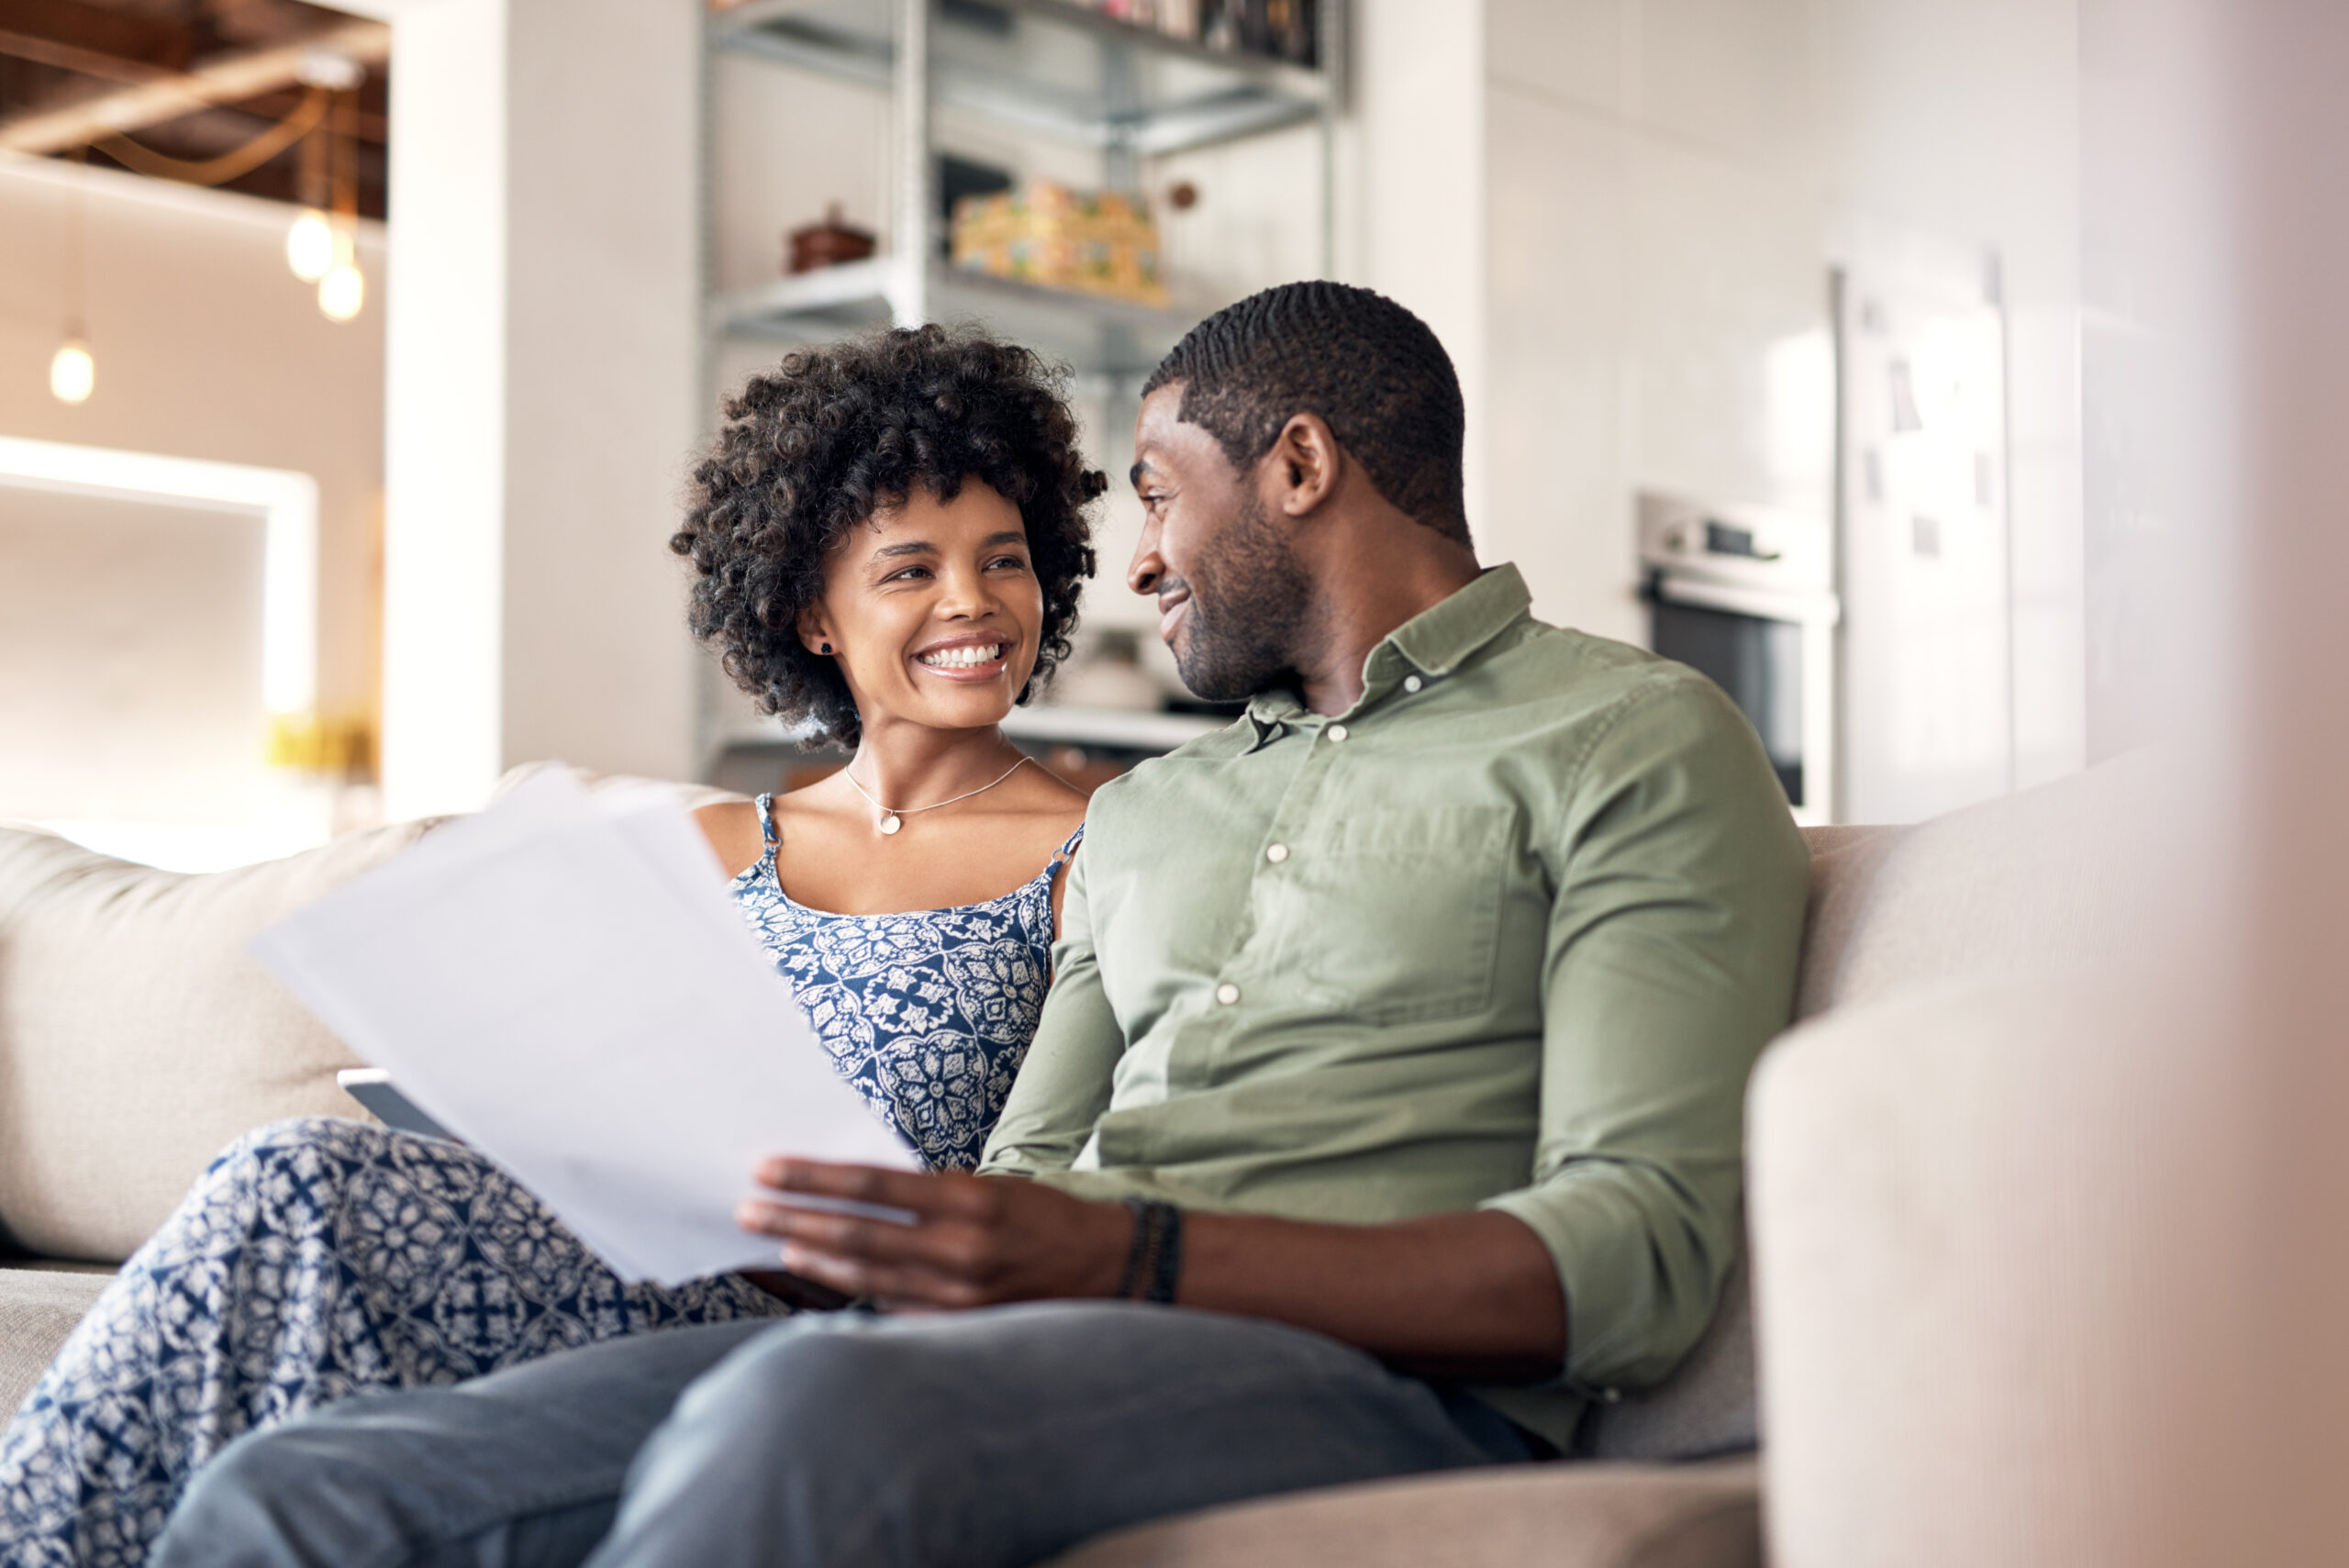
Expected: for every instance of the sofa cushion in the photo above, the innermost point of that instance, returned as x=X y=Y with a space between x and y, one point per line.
x=2071 y=875
x=1706 y=1408
x=2074 y=874
x=136 y=1037
x=39 y=1307
x=1559 y=1515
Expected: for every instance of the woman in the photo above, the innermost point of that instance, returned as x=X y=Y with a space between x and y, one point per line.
x=887 y=539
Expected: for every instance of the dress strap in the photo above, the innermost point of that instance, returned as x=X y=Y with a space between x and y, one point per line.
x=1060 y=858
x=766 y=820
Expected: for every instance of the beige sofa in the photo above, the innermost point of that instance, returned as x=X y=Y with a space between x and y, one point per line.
x=136 y=1038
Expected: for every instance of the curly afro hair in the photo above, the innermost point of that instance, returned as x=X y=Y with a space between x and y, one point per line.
x=834 y=434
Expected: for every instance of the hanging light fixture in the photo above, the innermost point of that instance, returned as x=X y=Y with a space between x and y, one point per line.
x=309 y=245
x=342 y=290
x=73 y=372
x=73 y=369
x=342 y=287
x=310 y=240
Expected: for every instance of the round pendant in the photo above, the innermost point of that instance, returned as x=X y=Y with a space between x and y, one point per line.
x=892 y=822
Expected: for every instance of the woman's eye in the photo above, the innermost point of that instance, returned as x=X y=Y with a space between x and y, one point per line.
x=1015 y=562
x=906 y=574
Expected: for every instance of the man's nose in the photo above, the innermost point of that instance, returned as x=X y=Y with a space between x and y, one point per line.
x=1148 y=565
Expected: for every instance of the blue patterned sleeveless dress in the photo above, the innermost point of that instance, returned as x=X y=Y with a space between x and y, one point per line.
x=319 y=1259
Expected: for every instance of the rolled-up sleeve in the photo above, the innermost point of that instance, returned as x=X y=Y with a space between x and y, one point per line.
x=1063 y=1085
x=1669 y=964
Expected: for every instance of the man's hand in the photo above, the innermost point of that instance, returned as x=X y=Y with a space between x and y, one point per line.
x=1472 y=1295
x=975 y=1242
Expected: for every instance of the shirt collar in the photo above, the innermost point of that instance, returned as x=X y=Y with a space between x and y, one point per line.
x=1434 y=643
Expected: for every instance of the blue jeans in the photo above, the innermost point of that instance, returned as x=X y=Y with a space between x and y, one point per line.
x=991 y=1438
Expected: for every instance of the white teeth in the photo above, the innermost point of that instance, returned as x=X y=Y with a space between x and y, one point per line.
x=963 y=657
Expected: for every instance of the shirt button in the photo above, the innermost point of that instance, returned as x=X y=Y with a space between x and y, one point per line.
x=1277 y=854
x=1412 y=683
x=1226 y=993
x=1337 y=732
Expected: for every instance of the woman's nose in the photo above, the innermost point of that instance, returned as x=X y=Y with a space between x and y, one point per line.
x=967 y=594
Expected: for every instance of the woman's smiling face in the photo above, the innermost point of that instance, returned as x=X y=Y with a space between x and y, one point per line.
x=933 y=610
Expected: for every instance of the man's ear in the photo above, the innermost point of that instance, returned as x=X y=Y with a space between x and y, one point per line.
x=1301 y=470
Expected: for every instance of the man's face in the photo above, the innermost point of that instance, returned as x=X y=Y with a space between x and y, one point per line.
x=1232 y=595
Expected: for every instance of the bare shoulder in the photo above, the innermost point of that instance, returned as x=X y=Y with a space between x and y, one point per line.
x=1056 y=803
x=732 y=829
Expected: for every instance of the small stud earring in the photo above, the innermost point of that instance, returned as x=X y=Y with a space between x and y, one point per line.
x=827 y=647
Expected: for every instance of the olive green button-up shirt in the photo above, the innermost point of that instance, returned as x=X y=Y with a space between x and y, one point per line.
x=1507 y=933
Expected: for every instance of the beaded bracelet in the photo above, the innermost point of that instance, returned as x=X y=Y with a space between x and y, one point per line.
x=1155 y=1261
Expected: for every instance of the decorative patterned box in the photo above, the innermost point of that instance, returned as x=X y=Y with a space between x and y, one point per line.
x=1043 y=232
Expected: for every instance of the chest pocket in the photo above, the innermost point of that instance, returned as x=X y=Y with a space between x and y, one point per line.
x=1400 y=918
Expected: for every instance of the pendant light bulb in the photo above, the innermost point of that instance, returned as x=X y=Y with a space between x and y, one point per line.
x=343 y=291
x=73 y=374
x=309 y=245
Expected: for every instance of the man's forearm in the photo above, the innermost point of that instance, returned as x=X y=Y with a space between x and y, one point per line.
x=1471 y=1295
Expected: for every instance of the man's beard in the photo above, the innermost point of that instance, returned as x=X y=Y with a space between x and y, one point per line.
x=1251 y=599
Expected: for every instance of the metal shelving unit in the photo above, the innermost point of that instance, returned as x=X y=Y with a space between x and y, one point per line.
x=1097 y=335
x=1056 y=69
x=1052 y=68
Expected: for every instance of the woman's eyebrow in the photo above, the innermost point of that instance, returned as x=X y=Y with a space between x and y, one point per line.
x=1009 y=536
x=911 y=546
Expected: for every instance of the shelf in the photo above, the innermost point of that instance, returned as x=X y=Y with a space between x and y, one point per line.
x=1115 y=729
x=1095 y=334
x=1054 y=67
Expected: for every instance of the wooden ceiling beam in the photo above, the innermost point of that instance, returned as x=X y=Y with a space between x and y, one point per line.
x=227 y=79
x=117 y=46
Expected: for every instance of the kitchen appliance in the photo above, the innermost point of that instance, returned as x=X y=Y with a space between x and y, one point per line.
x=1747 y=595
x=1922 y=553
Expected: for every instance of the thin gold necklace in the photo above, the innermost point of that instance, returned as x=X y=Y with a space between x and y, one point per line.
x=892 y=819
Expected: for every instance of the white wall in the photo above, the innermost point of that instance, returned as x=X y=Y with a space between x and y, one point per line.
x=207 y=346
x=543 y=390
x=1670 y=181
x=1417 y=225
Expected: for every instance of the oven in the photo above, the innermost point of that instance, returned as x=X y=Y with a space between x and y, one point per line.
x=1747 y=595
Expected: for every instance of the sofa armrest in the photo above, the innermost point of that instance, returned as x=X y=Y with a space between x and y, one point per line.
x=39 y=1307
x=1973 y=1310
x=1559 y=1515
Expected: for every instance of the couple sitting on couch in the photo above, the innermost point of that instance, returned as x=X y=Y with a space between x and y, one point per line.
x=1399 y=1030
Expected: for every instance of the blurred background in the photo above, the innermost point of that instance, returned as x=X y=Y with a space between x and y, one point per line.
x=350 y=360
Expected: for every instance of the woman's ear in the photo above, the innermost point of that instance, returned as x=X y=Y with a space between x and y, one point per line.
x=815 y=634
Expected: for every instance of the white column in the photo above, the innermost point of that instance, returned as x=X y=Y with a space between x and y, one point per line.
x=1418 y=126
x=541 y=390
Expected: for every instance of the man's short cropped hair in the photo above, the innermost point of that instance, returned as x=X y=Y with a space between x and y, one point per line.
x=1368 y=367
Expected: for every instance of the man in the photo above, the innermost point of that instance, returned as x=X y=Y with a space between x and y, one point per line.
x=1397 y=1039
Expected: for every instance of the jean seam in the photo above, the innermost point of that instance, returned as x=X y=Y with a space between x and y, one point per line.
x=506 y=1514
x=1145 y=1404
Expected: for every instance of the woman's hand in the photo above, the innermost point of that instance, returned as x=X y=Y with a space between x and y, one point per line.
x=976 y=1241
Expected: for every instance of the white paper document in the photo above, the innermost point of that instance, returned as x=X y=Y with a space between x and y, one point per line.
x=563 y=984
